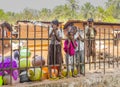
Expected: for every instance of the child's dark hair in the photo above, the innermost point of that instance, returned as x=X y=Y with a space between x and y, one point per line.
x=74 y=28
x=56 y=22
x=7 y=25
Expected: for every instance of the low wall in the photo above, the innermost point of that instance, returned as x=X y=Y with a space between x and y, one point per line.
x=96 y=79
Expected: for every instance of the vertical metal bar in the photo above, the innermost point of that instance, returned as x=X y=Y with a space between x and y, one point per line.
x=86 y=41
x=48 y=64
x=11 y=70
x=2 y=49
x=27 y=49
x=117 y=49
x=95 y=52
x=41 y=49
x=89 y=39
x=54 y=54
x=99 y=47
x=54 y=64
x=68 y=71
x=109 y=48
x=34 y=47
x=73 y=65
x=104 y=50
x=79 y=56
x=67 y=60
x=19 y=28
x=84 y=53
x=113 y=47
x=61 y=64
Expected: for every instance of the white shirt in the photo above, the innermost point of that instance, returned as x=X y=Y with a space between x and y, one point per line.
x=80 y=46
x=59 y=33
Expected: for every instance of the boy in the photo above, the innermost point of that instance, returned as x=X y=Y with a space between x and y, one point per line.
x=90 y=33
x=80 y=56
x=55 y=54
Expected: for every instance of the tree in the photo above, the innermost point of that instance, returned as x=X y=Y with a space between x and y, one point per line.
x=109 y=15
x=100 y=13
x=87 y=10
x=116 y=6
x=3 y=15
x=61 y=12
x=27 y=13
x=105 y=15
x=74 y=6
x=44 y=14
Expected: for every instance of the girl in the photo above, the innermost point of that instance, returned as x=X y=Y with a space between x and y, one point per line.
x=55 y=54
x=69 y=48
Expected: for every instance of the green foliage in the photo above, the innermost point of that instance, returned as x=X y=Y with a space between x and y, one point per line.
x=116 y=7
x=70 y=10
x=3 y=15
x=44 y=14
x=87 y=10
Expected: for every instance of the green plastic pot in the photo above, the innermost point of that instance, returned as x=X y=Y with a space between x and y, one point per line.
x=24 y=63
x=24 y=53
x=35 y=74
x=1 y=81
x=64 y=72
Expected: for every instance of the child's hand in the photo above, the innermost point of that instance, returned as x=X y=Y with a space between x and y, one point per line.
x=55 y=33
x=69 y=40
x=72 y=37
x=89 y=30
x=54 y=30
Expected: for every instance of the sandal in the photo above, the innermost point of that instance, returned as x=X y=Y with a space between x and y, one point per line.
x=74 y=76
x=78 y=75
x=53 y=78
x=61 y=76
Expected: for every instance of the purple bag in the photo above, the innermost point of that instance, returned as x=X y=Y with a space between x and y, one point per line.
x=9 y=63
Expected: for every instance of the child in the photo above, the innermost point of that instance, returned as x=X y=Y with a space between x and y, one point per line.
x=79 y=37
x=55 y=54
x=69 y=47
x=90 y=34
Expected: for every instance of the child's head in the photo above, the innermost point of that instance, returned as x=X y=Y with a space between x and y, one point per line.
x=6 y=26
x=55 y=24
x=90 y=22
x=69 y=28
x=74 y=29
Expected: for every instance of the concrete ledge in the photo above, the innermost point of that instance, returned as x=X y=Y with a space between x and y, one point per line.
x=92 y=79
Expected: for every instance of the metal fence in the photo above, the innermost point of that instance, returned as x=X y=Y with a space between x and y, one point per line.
x=106 y=49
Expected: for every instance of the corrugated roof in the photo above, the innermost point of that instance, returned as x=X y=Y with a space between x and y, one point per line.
x=80 y=21
x=27 y=21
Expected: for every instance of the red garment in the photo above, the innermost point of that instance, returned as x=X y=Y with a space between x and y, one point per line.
x=71 y=49
x=9 y=34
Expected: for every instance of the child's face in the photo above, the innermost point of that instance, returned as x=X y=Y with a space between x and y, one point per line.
x=90 y=24
x=75 y=31
x=54 y=26
x=71 y=35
